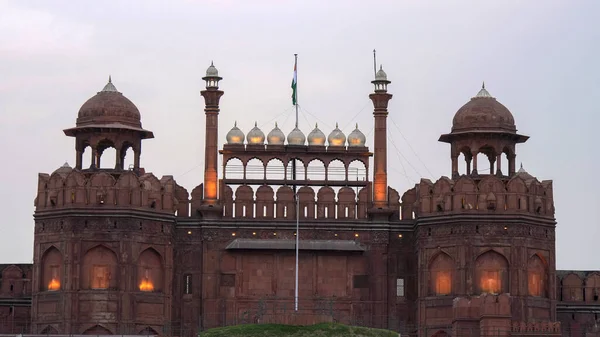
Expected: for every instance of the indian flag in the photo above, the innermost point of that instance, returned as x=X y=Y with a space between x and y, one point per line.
x=294 y=83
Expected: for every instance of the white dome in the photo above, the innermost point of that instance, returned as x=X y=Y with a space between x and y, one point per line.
x=235 y=135
x=356 y=138
x=336 y=137
x=276 y=136
x=255 y=136
x=296 y=137
x=316 y=137
x=212 y=71
x=381 y=75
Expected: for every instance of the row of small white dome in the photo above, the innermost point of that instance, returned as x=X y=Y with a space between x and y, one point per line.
x=316 y=137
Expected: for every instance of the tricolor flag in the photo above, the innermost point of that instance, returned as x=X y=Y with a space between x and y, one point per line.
x=294 y=83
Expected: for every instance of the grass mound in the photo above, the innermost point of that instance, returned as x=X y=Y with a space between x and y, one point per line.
x=277 y=330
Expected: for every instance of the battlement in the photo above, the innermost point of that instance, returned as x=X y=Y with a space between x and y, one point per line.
x=73 y=188
x=535 y=329
x=489 y=194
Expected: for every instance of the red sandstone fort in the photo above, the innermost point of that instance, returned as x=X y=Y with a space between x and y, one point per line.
x=121 y=251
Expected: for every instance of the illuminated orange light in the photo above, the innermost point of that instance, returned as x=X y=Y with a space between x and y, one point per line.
x=399 y=235
x=210 y=188
x=189 y=232
x=274 y=233
x=54 y=285
x=356 y=235
x=146 y=285
x=253 y=233
x=490 y=285
x=232 y=234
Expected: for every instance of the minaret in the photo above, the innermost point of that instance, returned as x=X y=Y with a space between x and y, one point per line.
x=380 y=100
x=211 y=95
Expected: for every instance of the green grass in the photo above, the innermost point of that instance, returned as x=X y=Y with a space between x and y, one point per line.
x=277 y=330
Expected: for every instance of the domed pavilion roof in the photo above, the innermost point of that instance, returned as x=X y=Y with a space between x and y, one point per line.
x=483 y=112
x=109 y=109
x=109 y=106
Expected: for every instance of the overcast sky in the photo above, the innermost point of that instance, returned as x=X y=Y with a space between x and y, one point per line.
x=539 y=58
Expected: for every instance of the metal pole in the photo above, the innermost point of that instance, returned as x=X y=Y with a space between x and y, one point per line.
x=296 y=194
x=374 y=63
x=297 y=250
x=296 y=70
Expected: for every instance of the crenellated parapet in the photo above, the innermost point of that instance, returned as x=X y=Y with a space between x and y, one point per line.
x=535 y=329
x=73 y=188
x=488 y=194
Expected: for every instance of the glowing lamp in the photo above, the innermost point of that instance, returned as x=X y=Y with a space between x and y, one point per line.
x=146 y=285
x=54 y=285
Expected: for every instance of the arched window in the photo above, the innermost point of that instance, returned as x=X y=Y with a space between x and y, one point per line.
x=537 y=277
x=150 y=273
x=441 y=274
x=51 y=270
x=99 y=269
x=491 y=272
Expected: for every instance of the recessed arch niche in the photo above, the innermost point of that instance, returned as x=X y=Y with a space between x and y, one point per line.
x=150 y=271
x=491 y=273
x=441 y=271
x=100 y=269
x=537 y=276
x=52 y=262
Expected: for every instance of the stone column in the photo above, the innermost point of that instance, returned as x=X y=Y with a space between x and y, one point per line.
x=380 y=103
x=211 y=96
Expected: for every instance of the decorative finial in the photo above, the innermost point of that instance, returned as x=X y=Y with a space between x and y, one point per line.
x=275 y=124
x=211 y=63
x=336 y=125
x=255 y=123
x=357 y=125
x=521 y=166
x=483 y=92
x=316 y=125
x=109 y=87
x=235 y=124
x=381 y=67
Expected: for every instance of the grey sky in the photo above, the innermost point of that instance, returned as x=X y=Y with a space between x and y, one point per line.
x=539 y=58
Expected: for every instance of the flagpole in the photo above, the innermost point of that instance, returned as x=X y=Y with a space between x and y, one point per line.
x=374 y=64
x=295 y=193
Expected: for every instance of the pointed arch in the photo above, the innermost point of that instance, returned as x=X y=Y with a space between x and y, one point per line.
x=440 y=333
x=150 y=271
x=441 y=271
x=49 y=330
x=52 y=262
x=97 y=330
x=537 y=276
x=592 y=287
x=100 y=268
x=148 y=331
x=491 y=272
x=572 y=288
